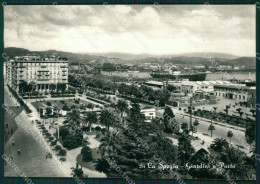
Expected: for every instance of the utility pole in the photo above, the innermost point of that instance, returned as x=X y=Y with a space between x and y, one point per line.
x=191 y=127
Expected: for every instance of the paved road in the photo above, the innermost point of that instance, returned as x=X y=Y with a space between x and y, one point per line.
x=220 y=132
x=32 y=160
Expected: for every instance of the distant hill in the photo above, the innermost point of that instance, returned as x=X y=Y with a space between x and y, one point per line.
x=73 y=57
x=249 y=61
x=124 y=58
x=211 y=54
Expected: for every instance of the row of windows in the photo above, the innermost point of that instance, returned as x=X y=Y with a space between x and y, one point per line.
x=41 y=64
x=232 y=96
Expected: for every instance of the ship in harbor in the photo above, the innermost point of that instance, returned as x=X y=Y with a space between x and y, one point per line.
x=177 y=75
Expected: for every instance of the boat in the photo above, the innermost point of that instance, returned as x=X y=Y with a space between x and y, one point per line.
x=177 y=75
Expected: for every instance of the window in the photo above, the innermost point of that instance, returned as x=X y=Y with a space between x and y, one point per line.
x=150 y=113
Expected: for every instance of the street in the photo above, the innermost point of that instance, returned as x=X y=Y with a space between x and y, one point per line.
x=32 y=159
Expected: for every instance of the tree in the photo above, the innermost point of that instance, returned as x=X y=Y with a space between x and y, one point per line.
x=250 y=132
x=171 y=88
x=233 y=156
x=102 y=165
x=226 y=110
x=185 y=150
x=91 y=118
x=74 y=120
x=230 y=135
x=62 y=152
x=168 y=120
x=77 y=172
x=62 y=87
x=128 y=152
x=184 y=127
x=122 y=106
x=211 y=129
x=86 y=154
x=196 y=124
x=52 y=87
x=64 y=132
x=90 y=106
x=107 y=117
x=48 y=111
x=22 y=86
x=241 y=114
x=72 y=142
x=219 y=145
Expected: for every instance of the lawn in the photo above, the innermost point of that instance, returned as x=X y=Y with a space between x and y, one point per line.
x=59 y=104
x=9 y=120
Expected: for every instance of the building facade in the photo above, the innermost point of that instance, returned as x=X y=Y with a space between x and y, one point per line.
x=237 y=92
x=43 y=72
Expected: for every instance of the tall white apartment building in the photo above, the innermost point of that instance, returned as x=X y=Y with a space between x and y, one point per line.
x=42 y=71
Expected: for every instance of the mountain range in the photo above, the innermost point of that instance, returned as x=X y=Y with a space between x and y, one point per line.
x=125 y=58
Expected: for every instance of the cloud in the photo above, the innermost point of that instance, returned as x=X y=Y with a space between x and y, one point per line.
x=172 y=29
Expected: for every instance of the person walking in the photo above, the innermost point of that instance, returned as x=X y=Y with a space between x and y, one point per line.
x=13 y=143
x=19 y=151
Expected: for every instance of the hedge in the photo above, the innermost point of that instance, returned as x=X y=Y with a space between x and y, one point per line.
x=96 y=100
x=58 y=96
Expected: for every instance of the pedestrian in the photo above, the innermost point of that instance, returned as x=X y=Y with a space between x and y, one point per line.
x=19 y=151
x=13 y=143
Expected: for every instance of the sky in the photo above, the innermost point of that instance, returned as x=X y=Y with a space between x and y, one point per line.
x=136 y=29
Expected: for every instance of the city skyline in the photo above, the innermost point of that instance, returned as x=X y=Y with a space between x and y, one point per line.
x=153 y=29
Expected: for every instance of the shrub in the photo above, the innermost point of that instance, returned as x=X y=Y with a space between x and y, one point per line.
x=53 y=143
x=57 y=148
x=51 y=138
x=64 y=132
x=62 y=152
x=62 y=159
x=86 y=154
x=98 y=135
x=98 y=128
x=72 y=142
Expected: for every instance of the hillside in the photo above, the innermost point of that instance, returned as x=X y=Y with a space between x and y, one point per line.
x=123 y=58
x=249 y=61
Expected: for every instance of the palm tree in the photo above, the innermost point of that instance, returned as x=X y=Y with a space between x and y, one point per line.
x=241 y=114
x=122 y=106
x=218 y=145
x=230 y=135
x=91 y=118
x=74 y=120
x=196 y=123
x=238 y=158
x=108 y=143
x=226 y=110
x=107 y=118
x=77 y=172
x=211 y=129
